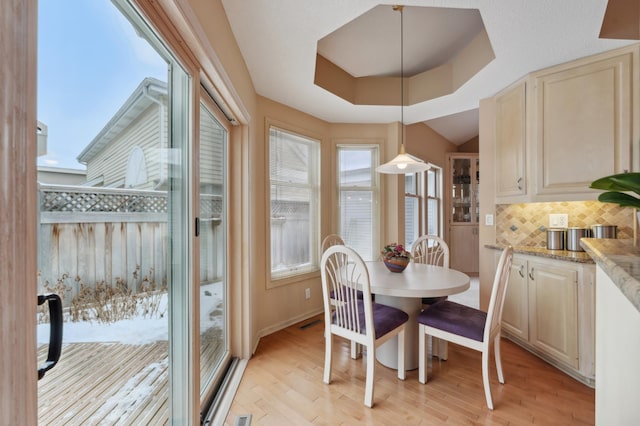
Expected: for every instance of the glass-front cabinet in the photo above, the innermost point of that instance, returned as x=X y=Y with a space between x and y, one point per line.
x=465 y=196
x=463 y=206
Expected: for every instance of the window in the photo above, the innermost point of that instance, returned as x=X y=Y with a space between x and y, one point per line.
x=434 y=201
x=413 y=224
x=294 y=164
x=358 y=198
x=415 y=219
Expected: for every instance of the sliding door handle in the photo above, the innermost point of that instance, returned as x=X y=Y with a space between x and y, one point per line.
x=55 y=331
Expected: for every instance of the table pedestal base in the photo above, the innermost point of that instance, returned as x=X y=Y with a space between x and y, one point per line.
x=387 y=354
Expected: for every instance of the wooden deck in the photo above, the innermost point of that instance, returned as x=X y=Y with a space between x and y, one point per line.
x=110 y=384
x=105 y=384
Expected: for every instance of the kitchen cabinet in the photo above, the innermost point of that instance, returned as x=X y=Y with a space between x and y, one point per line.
x=515 y=314
x=511 y=179
x=549 y=310
x=463 y=171
x=582 y=122
x=464 y=244
x=559 y=129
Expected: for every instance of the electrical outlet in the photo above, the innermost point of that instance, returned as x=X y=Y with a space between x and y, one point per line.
x=488 y=219
x=558 y=220
x=307 y=293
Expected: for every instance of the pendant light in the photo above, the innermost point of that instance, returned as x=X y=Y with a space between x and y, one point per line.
x=403 y=163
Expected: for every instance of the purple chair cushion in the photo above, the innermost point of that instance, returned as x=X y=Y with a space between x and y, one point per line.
x=455 y=318
x=385 y=318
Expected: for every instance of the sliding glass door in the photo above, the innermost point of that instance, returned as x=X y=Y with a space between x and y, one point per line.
x=133 y=221
x=212 y=241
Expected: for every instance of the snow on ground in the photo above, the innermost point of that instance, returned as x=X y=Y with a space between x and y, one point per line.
x=139 y=331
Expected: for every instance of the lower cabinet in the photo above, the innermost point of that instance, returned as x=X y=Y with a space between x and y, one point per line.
x=549 y=310
x=464 y=246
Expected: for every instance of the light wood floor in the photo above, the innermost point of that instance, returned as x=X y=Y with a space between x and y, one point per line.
x=282 y=385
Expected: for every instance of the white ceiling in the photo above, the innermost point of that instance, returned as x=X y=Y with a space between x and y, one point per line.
x=279 y=41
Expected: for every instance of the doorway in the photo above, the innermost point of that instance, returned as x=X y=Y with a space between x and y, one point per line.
x=116 y=235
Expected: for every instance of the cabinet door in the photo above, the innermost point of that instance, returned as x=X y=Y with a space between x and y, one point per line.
x=553 y=311
x=465 y=176
x=515 y=314
x=464 y=248
x=510 y=142
x=583 y=124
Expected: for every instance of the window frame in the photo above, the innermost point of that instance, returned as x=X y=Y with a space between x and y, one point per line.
x=375 y=191
x=419 y=193
x=438 y=197
x=313 y=267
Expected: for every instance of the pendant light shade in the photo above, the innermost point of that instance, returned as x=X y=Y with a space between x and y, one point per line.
x=403 y=163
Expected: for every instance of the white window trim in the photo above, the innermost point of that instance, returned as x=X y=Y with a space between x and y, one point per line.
x=439 y=197
x=313 y=268
x=375 y=190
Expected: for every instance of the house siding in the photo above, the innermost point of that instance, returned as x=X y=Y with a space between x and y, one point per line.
x=111 y=163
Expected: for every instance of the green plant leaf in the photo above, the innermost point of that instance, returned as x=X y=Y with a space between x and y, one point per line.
x=632 y=183
x=618 y=182
x=624 y=200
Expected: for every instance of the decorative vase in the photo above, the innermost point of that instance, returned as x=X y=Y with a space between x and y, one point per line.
x=396 y=264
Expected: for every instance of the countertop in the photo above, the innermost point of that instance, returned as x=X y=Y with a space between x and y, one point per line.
x=566 y=255
x=620 y=260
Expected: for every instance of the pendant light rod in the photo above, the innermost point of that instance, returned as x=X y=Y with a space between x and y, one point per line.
x=403 y=163
x=400 y=8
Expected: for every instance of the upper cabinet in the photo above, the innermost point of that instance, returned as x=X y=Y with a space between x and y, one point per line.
x=582 y=124
x=561 y=128
x=510 y=142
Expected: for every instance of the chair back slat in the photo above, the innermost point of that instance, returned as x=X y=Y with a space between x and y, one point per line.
x=343 y=271
x=498 y=293
x=431 y=250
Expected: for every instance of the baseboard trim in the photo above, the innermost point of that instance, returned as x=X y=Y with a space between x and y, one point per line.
x=284 y=324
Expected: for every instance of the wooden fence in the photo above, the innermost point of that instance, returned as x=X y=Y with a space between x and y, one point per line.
x=93 y=235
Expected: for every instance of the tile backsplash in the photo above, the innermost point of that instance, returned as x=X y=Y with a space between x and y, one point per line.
x=525 y=224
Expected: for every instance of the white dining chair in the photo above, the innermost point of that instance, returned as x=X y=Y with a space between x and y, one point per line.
x=469 y=327
x=333 y=240
x=358 y=320
x=432 y=250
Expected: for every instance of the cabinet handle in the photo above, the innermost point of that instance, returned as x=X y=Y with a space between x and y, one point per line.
x=519 y=181
x=521 y=271
x=531 y=274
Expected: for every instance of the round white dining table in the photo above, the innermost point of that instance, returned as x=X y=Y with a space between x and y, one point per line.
x=405 y=290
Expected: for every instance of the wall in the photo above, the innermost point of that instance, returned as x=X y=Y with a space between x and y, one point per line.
x=529 y=220
x=617 y=349
x=280 y=305
x=111 y=163
x=61 y=176
x=472 y=145
x=425 y=143
x=487 y=233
